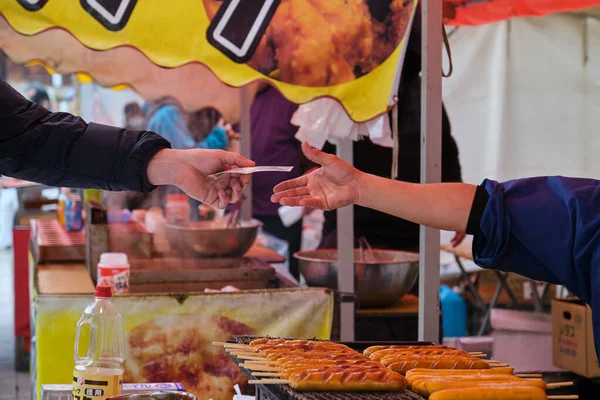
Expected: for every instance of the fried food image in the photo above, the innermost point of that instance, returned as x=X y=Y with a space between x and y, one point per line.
x=178 y=348
x=325 y=43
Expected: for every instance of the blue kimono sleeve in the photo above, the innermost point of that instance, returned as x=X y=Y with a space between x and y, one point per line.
x=547 y=229
x=217 y=139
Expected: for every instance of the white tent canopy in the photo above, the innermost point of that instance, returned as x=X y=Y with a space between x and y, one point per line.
x=524 y=99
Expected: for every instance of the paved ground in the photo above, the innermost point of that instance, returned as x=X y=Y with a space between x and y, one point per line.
x=13 y=385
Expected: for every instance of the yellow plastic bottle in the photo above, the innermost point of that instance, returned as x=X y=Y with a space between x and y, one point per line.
x=60 y=210
x=99 y=373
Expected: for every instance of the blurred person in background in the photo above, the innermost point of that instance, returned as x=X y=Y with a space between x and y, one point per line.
x=37 y=93
x=134 y=116
x=183 y=130
x=208 y=127
x=274 y=144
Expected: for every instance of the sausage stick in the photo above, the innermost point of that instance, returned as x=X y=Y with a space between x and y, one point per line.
x=390 y=359
x=507 y=371
x=369 y=350
x=437 y=363
x=427 y=388
x=387 y=353
x=511 y=393
x=490 y=378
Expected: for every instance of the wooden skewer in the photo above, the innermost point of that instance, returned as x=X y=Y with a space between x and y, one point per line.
x=529 y=375
x=558 y=385
x=499 y=365
x=269 y=381
x=259 y=362
x=562 y=397
x=249 y=357
x=259 y=367
x=241 y=351
x=227 y=344
x=265 y=373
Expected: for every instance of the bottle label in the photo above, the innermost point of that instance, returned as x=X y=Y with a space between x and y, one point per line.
x=115 y=277
x=96 y=387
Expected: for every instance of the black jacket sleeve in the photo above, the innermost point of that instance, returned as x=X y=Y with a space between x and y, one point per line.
x=59 y=149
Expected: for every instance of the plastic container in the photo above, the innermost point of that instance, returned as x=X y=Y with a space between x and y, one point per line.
x=60 y=209
x=73 y=212
x=154 y=222
x=454 y=313
x=177 y=209
x=92 y=196
x=113 y=271
x=98 y=374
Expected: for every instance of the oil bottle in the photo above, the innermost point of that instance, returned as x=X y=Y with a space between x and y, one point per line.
x=98 y=374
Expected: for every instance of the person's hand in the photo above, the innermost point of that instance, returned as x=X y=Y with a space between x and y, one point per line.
x=307 y=211
x=189 y=171
x=224 y=125
x=458 y=238
x=334 y=185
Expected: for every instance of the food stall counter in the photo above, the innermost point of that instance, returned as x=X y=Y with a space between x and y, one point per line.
x=64 y=279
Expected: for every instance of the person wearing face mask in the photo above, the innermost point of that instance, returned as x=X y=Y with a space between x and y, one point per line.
x=134 y=116
x=184 y=131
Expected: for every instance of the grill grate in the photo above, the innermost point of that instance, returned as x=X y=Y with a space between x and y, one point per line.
x=276 y=392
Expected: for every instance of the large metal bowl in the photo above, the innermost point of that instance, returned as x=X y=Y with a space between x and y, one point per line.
x=212 y=238
x=380 y=280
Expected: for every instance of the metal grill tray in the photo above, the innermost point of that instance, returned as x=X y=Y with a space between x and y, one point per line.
x=276 y=392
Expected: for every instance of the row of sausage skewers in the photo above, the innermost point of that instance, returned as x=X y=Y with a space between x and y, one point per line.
x=437 y=372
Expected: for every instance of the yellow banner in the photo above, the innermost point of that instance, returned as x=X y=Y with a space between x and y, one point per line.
x=346 y=49
x=169 y=338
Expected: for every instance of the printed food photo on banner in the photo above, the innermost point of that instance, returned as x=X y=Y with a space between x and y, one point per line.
x=309 y=42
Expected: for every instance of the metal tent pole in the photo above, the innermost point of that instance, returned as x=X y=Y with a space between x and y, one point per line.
x=245 y=147
x=345 y=242
x=431 y=155
x=86 y=101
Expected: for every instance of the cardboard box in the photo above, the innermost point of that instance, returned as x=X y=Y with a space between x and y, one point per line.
x=523 y=339
x=573 y=338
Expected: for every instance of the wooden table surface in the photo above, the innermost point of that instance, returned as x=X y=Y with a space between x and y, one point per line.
x=64 y=279
x=264 y=254
x=409 y=304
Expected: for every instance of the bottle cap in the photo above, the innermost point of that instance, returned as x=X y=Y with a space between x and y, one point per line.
x=177 y=197
x=113 y=259
x=103 y=291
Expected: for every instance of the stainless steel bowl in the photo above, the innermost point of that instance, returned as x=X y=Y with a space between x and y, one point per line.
x=212 y=238
x=380 y=280
x=155 y=396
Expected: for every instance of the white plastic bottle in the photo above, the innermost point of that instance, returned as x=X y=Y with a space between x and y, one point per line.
x=98 y=374
x=113 y=270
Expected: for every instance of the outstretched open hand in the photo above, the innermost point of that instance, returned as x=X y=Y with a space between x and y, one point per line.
x=332 y=186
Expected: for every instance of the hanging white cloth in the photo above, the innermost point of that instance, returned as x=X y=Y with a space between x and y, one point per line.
x=524 y=98
x=325 y=120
